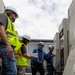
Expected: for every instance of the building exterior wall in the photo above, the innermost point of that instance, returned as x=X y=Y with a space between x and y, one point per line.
x=64 y=42
x=70 y=66
x=71 y=15
x=71 y=10
x=33 y=45
x=57 y=52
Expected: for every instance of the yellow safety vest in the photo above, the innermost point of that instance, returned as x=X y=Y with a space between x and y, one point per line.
x=20 y=59
x=12 y=36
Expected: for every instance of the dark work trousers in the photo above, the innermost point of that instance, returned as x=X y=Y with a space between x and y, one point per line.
x=37 y=68
x=50 y=69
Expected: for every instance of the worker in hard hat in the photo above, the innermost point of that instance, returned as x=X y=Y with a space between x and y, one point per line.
x=37 y=63
x=22 y=56
x=9 y=42
x=49 y=59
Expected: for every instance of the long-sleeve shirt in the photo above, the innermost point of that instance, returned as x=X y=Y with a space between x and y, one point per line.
x=49 y=59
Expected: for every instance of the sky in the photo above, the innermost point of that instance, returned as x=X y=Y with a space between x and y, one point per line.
x=40 y=19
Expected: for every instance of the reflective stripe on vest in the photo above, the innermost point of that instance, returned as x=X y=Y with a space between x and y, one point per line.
x=20 y=59
x=12 y=36
x=11 y=33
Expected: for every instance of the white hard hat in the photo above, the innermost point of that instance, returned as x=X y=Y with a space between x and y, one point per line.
x=12 y=9
x=41 y=43
x=26 y=37
x=20 y=37
x=50 y=46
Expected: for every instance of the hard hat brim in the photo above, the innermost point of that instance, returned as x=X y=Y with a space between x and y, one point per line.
x=14 y=12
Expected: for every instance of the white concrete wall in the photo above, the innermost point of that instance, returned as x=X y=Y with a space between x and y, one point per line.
x=64 y=39
x=71 y=15
x=57 y=52
x=70 y=66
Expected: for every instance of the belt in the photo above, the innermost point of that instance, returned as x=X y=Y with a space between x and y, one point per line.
x=48 y=64
x=2 y=43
